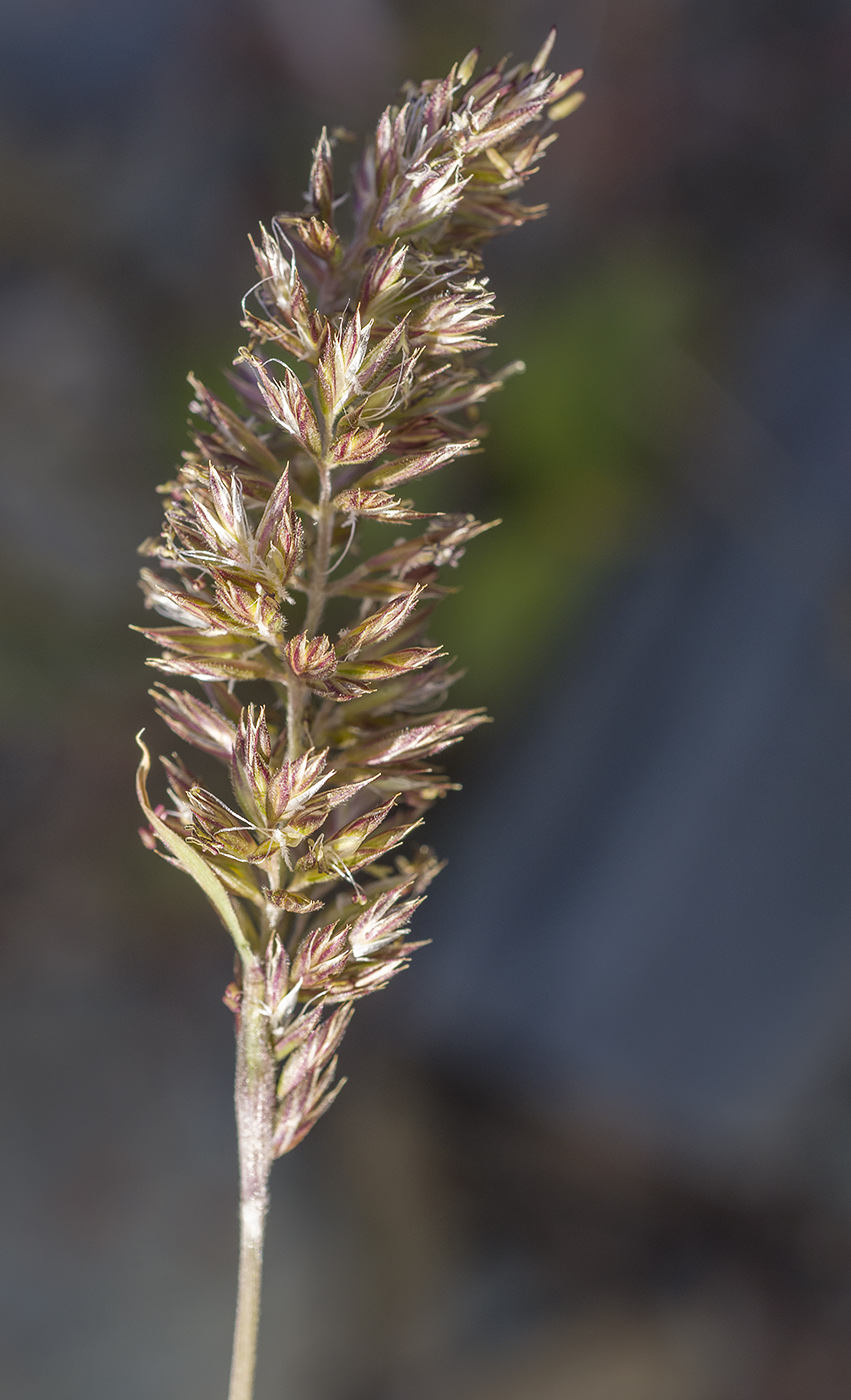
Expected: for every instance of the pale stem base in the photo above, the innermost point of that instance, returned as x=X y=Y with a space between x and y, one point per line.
x=254 y=1095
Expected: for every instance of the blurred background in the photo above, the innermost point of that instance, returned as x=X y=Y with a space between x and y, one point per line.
x=597 y=1142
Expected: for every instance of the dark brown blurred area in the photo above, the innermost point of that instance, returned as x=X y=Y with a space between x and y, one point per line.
x=598 y=1144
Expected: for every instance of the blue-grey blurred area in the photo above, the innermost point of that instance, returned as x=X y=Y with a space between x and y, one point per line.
x=597 y=1141
x=647 y=903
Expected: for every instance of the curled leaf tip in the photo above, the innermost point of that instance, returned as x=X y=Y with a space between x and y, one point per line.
x=191 y=861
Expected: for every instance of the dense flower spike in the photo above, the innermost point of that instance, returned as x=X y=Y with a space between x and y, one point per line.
x=363 y=372
x=390 y=324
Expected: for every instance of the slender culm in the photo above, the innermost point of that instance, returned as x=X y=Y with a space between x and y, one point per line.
x=318 y=688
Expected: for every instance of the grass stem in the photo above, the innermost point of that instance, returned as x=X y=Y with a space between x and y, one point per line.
x=255 y=1107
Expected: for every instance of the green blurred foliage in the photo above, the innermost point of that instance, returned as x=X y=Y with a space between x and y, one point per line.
x=576 y=461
